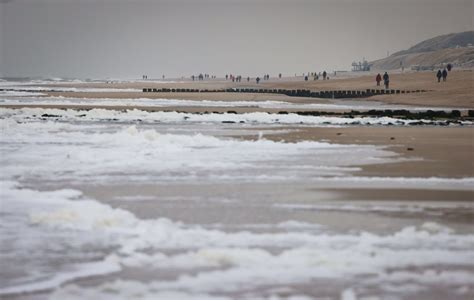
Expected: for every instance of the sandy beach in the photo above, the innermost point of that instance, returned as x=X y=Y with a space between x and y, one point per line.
x=431 y=147
x=457 y=92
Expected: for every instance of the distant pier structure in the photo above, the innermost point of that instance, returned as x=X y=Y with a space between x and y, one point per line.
x=361 y=66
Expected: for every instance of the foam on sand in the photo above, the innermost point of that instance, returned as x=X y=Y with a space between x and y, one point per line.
x=18 y=94
x=175 y=117
x=74 y=236
x=143 y=101
x=231 y=260
x=234 y=259
x=83 y=152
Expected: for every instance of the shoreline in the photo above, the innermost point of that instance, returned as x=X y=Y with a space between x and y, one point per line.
x=434 y=145
x=399 y=112
x=457 y=92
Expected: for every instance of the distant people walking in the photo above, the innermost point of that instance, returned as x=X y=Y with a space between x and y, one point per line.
x=378 y=78
x=449 y=66
x=445 y=74
x=386 y=80
x=279 y=75
x=324 y=75
x=257 y=80
x=248 y=79
x=306 y=78
x=439 y=75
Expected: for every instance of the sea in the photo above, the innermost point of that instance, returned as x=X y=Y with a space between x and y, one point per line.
x=134 y=204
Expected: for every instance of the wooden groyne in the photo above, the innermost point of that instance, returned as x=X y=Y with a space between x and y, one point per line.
x=332 y=94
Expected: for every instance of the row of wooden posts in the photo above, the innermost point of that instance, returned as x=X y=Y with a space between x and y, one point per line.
x=336 y=94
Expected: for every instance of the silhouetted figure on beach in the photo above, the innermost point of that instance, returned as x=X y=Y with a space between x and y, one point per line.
x=306 y=78
x=439 y=75
x=192 y=77
x=445 y=74
x=449 y=66
x=386 y=80
x=378 y=78
x=279 y=75
x=324 y=75
x=248 y=79
x=226 y=76
x=257 y=80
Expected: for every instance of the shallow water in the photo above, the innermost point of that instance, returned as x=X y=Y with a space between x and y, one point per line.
x=32 y=98
x=114 y=205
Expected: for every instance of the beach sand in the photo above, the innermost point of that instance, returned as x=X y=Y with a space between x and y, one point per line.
x=457 y=92
x=444 y=151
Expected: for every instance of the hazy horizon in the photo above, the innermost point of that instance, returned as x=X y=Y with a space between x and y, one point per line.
x=126 y=39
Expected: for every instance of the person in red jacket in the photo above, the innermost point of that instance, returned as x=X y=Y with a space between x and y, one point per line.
x=378 y=78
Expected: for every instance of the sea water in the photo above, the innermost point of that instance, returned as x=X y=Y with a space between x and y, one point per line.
x=137 y=205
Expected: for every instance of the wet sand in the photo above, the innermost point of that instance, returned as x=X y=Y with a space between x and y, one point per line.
x=443 y=151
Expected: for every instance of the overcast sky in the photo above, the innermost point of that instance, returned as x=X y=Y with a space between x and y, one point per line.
x=125 y=39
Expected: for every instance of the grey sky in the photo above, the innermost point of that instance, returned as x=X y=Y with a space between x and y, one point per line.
x=125 y=39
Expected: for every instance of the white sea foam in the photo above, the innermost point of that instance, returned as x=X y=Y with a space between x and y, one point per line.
x=143 y=101
x=125 y=290
x=49 y=258
x=174 y=117
x=74 y=236
x=241 y=258
x=78 y=271
x=17 y=94
x=84 y=153
x=30 y=91
x=156 y=102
